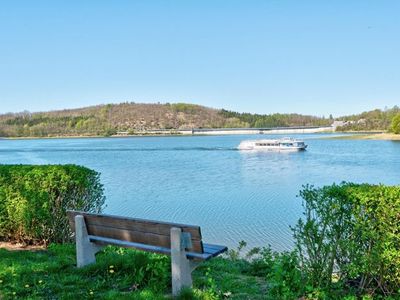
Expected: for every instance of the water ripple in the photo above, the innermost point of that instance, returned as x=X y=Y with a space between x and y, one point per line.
x=232 y=195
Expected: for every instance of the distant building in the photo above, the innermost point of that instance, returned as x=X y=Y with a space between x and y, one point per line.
x=336 y=124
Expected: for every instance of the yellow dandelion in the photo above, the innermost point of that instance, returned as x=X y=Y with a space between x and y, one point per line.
x=111 y=271
x=26 y=285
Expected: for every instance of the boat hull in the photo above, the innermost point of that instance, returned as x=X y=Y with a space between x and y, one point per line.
x=283 y=145
x=272 y=149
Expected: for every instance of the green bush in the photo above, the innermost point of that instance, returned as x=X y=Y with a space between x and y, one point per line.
x=395 y=126
x=282 y=272
x=351 y=232
x=185 y=108
x=34 y=200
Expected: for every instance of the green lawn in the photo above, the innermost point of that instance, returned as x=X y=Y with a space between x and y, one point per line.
x=118 y=274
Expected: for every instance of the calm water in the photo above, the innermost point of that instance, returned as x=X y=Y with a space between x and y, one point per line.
x=232 y=195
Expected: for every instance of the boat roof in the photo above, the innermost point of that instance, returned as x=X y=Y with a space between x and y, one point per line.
x=274 y=140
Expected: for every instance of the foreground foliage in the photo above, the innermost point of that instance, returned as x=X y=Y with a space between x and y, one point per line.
x=347 y=247
x=34 y=200
x=118 y=274
x=52 y=274
x=121 y=273
x=353 y=232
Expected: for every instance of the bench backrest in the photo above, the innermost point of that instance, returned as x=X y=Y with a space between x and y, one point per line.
x=142 y=231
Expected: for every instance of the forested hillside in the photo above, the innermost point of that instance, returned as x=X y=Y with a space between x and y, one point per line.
x=137 y=118
x=109 y=119
x=370 y=120
x=275 y=120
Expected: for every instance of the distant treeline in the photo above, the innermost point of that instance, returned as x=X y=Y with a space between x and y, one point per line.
x=275 y=120
x=137 y=118
x=370 y=120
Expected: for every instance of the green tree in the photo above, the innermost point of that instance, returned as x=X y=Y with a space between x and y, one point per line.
x=395 y=127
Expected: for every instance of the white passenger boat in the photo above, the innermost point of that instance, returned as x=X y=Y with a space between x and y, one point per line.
x=285 y=144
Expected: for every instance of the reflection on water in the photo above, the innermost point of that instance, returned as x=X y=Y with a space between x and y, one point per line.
x=232 y=195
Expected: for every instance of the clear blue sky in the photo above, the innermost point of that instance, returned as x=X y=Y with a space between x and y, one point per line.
x=312 y=57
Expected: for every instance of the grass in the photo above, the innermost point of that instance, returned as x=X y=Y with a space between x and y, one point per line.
x=367 y=136
x=118 y=274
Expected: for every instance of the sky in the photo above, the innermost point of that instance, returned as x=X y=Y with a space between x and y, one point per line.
x=310 y=57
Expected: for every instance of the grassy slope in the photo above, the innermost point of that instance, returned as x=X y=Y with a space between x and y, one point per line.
x=118 y=274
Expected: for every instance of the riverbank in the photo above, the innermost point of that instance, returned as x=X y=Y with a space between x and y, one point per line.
x=367 y=136
x=197 y=132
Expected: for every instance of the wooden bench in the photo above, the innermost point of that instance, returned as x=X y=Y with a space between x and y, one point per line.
x=182 y=242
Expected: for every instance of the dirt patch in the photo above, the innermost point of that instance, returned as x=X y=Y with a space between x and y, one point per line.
x=18 y=247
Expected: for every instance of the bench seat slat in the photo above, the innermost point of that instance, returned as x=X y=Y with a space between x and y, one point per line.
x=108 y=241
x=118 y=222
x=138 y=237
x=213 y=246
x=214 y=250
x=136 y=230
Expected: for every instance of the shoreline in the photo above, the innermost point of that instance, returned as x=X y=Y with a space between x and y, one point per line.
x=349 y=135
x=142 y=135
x=182 y=133
x=384 y=136
x=93 y=137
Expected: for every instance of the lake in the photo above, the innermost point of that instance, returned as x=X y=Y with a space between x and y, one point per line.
x=204 y=180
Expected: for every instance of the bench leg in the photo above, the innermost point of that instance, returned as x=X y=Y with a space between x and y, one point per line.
x=85 y=250
x=180 y=265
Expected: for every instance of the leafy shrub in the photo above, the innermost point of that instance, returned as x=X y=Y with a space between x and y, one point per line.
x=395 y=126
x=34 y=200
x=352 y=231
x=282 y=271
x=185 y=108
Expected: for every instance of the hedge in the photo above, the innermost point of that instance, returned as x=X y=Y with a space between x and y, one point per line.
x=34 y=200
x=351 y=231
